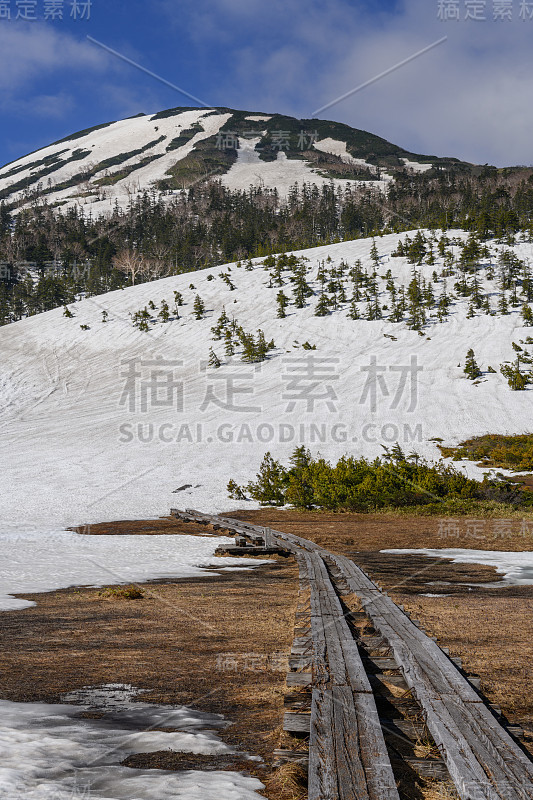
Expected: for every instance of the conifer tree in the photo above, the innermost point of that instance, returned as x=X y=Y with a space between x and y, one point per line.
x=269 y=487
x=282 y=301
x=67 y=312
x=164 y=313
x=353 y=313
x=227 y=280
x=214 y=361
x=374 y=254
x=322 y=307
x=527 y=315
x=471 y=369
x=503 y=308
x=229 y=346
x=235 y=491
x=261 y=347
x=517 y=380
x=249 y=352
x=199 y=307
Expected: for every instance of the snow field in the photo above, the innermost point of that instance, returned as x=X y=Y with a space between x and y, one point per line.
x=87 y=443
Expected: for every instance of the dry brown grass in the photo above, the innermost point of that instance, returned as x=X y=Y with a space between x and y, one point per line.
x=489 y=628
x=131 y=592
x=492 y=638
x=173 y=643
x=374 y=532
x=288 y=782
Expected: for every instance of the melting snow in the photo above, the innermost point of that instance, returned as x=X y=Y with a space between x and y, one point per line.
x=44 y=562
x=517 y=568
x=48 y=753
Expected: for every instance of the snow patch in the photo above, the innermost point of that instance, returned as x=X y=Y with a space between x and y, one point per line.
x=49 y=752
x=416 y=166
x=337 y=148
x=517 y=568
x=45 y=562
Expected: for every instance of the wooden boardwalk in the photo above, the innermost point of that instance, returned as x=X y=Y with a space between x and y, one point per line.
x=349 y=758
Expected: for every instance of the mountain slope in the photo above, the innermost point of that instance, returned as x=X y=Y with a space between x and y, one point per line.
x=103 y=420
x=168 y=151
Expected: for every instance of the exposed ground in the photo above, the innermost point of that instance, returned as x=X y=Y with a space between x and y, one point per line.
x=489 y=628
x=207 y=642
x=218 y=643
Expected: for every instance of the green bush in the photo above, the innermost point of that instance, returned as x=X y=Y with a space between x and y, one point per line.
x=357 y=484
x=507 y=452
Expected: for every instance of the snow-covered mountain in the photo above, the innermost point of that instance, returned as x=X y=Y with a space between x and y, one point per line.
x=104 y=420
x=165 y=152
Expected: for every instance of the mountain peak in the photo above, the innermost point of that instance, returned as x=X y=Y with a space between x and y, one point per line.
x=166 y=152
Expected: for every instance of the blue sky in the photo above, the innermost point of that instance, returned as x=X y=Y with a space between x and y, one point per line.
x=469 y=96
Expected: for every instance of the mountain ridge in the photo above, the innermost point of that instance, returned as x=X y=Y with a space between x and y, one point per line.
x=168 y=151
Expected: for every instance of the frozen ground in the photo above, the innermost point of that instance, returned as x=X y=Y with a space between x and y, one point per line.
x=517 y=568
x=48 y=753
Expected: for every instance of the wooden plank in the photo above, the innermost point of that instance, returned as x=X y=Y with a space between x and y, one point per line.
x=322 y=776
x=404 y=728
x=343 y=763
x=296 y=722
x=473 y=769
x=429 y=768
x=394 y=680
x=482 y=758
x=302 y=679
x=343 y=658
x=378 y=769
x=384 y=662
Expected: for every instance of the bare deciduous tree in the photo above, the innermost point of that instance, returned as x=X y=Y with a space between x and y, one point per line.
x=131 y=263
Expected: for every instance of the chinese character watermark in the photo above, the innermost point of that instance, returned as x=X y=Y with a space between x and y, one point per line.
x=376 y=382
x=482 y=10
x=252 y=662
x=150 y=384
x=279 y=140
x=482 y=529
x=48 y=10
x=308 y=382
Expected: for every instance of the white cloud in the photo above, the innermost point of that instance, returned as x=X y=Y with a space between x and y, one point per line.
x=32 y=51
x=466 y=98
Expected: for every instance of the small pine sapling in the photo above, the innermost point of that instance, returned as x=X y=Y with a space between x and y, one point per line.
x=322 y=307
x=164 y=313
x=471 y=369
x=199 y=307
x=527 y=315
x=213 y=361
x=282 y=300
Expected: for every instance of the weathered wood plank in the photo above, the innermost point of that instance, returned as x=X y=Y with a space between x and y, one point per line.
x=299 y=679
x=481 y=757
x=296 y=722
